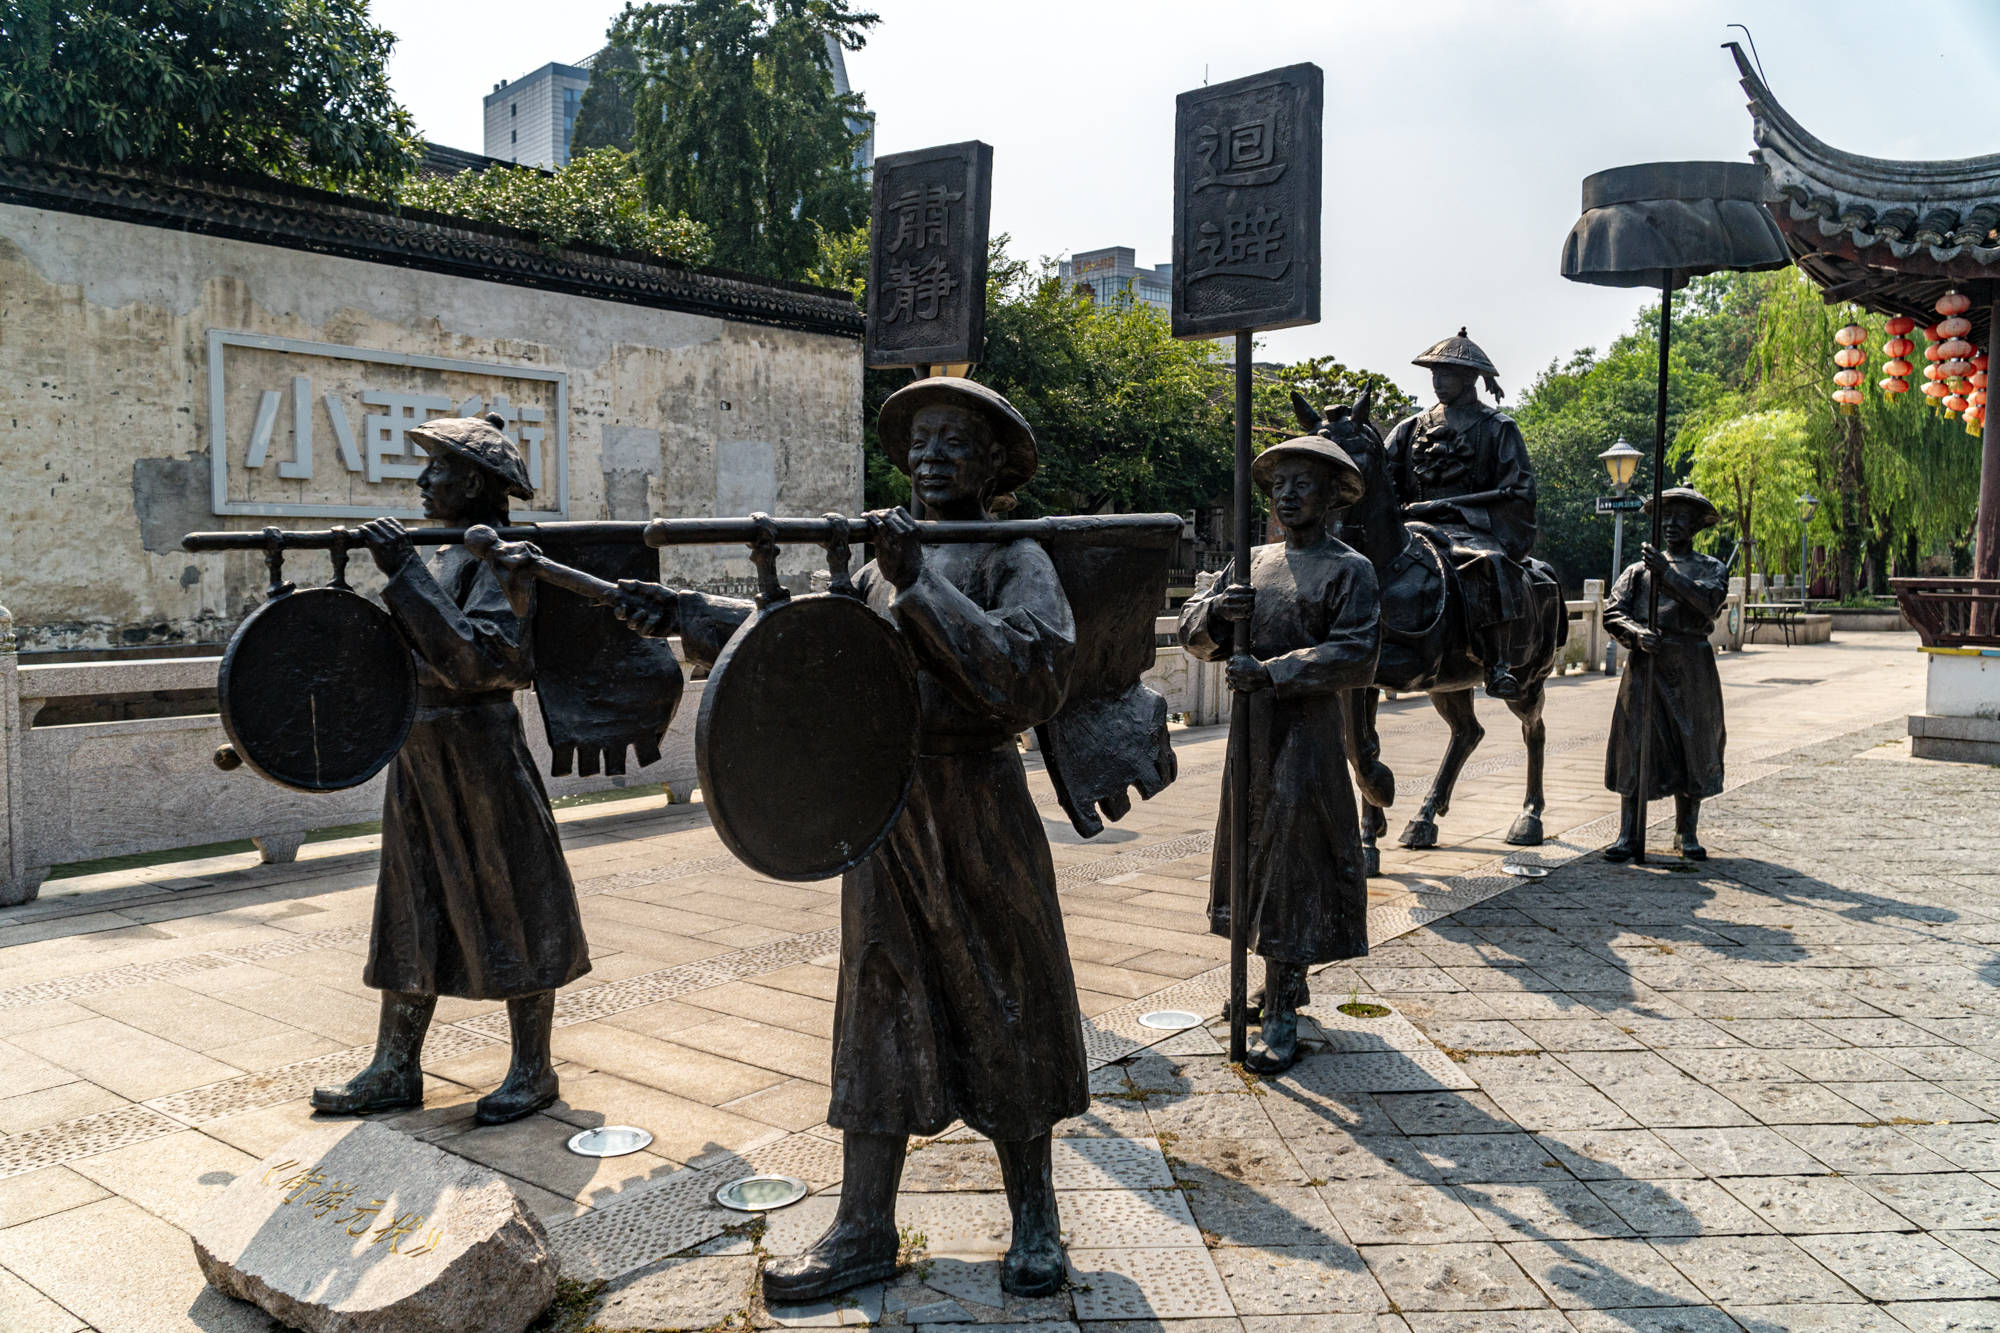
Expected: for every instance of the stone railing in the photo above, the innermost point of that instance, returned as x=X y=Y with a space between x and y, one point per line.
x=100 y=789
x=84 y=791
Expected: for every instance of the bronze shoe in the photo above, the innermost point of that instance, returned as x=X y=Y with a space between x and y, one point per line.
x=838 y=1260
x=373 y=1089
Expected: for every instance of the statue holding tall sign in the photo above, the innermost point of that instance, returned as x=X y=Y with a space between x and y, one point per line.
x=1298 y=641
x=1246 y=257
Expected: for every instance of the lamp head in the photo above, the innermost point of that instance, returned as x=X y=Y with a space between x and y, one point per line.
x=1621 y=460
x=1808 y=506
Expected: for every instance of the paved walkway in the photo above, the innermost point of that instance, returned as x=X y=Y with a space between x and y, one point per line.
x=1608 y=1089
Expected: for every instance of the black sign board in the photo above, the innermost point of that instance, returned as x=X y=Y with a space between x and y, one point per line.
x=1246 y=203
x=927 y=264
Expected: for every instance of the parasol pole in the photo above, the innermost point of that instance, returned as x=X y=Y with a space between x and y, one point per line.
x=1644 y=774
x=1239 y=733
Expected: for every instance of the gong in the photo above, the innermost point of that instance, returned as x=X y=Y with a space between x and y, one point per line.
x=807 y=737
x=318 y=689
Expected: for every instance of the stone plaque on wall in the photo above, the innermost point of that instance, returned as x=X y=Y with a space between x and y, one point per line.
x=300 y=429
x=1246 y=203
x=927 y=262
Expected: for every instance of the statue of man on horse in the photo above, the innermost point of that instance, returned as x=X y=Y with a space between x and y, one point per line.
x=1447 y=518
x=1462 y=467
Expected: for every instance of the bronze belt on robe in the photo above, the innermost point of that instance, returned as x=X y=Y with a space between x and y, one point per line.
x=937 y=743
x=439 y=698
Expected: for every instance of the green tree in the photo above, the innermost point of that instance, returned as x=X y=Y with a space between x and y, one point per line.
x=295 y=89
x=738 y=123
x=1325 y=382
x=1754 y=465
x=604 y=118
x=594 y=200
x=1576 y=410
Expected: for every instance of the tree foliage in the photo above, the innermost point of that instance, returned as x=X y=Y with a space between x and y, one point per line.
x=1754 y=466
x=594 y=200
x=604 y=118
x=1325 y=382
x=1898 y=481
x=1127 y=417
x=295 y=89
x=737 y=123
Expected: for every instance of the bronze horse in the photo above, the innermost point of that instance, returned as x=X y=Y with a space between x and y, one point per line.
x=1425 y=644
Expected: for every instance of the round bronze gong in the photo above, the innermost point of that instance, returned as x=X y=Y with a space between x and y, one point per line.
x=807 y=737
x=318 y=689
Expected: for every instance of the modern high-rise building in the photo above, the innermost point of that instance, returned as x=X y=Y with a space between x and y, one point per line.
x=1113 y=274
x=864 y=152
x=532 y=119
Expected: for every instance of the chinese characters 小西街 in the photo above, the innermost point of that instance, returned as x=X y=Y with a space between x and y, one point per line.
x=334 y=1202
x=379 y=452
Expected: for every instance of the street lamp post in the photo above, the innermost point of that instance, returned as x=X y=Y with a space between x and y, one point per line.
x=1808 y=506
x=1621 y=460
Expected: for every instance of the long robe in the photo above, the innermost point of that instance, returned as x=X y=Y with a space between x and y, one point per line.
x=1316 y=628
x=474 y=897
x=956 y=999
x=1685 y=758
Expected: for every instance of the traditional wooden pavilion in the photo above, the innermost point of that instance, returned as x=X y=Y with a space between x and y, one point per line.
x=1892 y=237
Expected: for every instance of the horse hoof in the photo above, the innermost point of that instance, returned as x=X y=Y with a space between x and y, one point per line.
x=1371 y=861
x=1419 y=834
x=1527 y=831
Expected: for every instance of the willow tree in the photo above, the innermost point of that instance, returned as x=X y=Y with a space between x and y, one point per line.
x=737 y=123
x=1753 y=465
x=1902 y=472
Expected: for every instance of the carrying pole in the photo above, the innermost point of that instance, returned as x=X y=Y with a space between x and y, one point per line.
x=1239 y=733
x=1644 y=773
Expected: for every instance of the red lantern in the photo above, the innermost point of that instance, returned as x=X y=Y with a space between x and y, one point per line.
x=1849 y=399
x=1900 y=368
x=1847 y=379
x=1953 y=303
x=1847 y=358
x=1955 y=349
x=1898 y=347
x=1977 y=379
x=1892 y=386
x=1955 y=404
x=1955 y=327
x=1850 y=335
x=1936 y=390
x=1979 y=361
x=1899 y=325
x=1934 y=351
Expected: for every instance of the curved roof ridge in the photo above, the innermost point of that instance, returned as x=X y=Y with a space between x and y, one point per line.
x=1876 y=177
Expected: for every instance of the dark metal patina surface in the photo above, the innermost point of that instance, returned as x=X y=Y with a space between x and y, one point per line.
x=317 y=690
x=807 y=737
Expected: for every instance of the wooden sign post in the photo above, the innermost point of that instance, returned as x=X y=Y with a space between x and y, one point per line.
x=927 y=258
x=1246 y=258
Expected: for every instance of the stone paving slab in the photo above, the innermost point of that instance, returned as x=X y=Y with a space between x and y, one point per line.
x=1736 y=986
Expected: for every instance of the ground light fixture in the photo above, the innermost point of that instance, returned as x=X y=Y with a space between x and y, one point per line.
x=609 y=1141
x=761 y=1194
x=1170 y=1020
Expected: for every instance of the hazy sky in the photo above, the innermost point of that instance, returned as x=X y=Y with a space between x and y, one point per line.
x=1457 y=131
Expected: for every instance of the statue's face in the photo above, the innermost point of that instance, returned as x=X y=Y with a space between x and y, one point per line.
x=952 y=454
x=1301 y=492
x=1450 y=382
x=1677 y=525
x=452 y=488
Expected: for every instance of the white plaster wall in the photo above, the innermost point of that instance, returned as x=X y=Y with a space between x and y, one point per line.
x=104 y=431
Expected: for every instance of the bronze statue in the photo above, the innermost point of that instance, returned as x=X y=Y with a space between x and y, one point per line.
x=956 y=998
x=474 y=898
x=1676 y=662
x=1463 y=468
x=1310 y=621
x=1429 y=638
